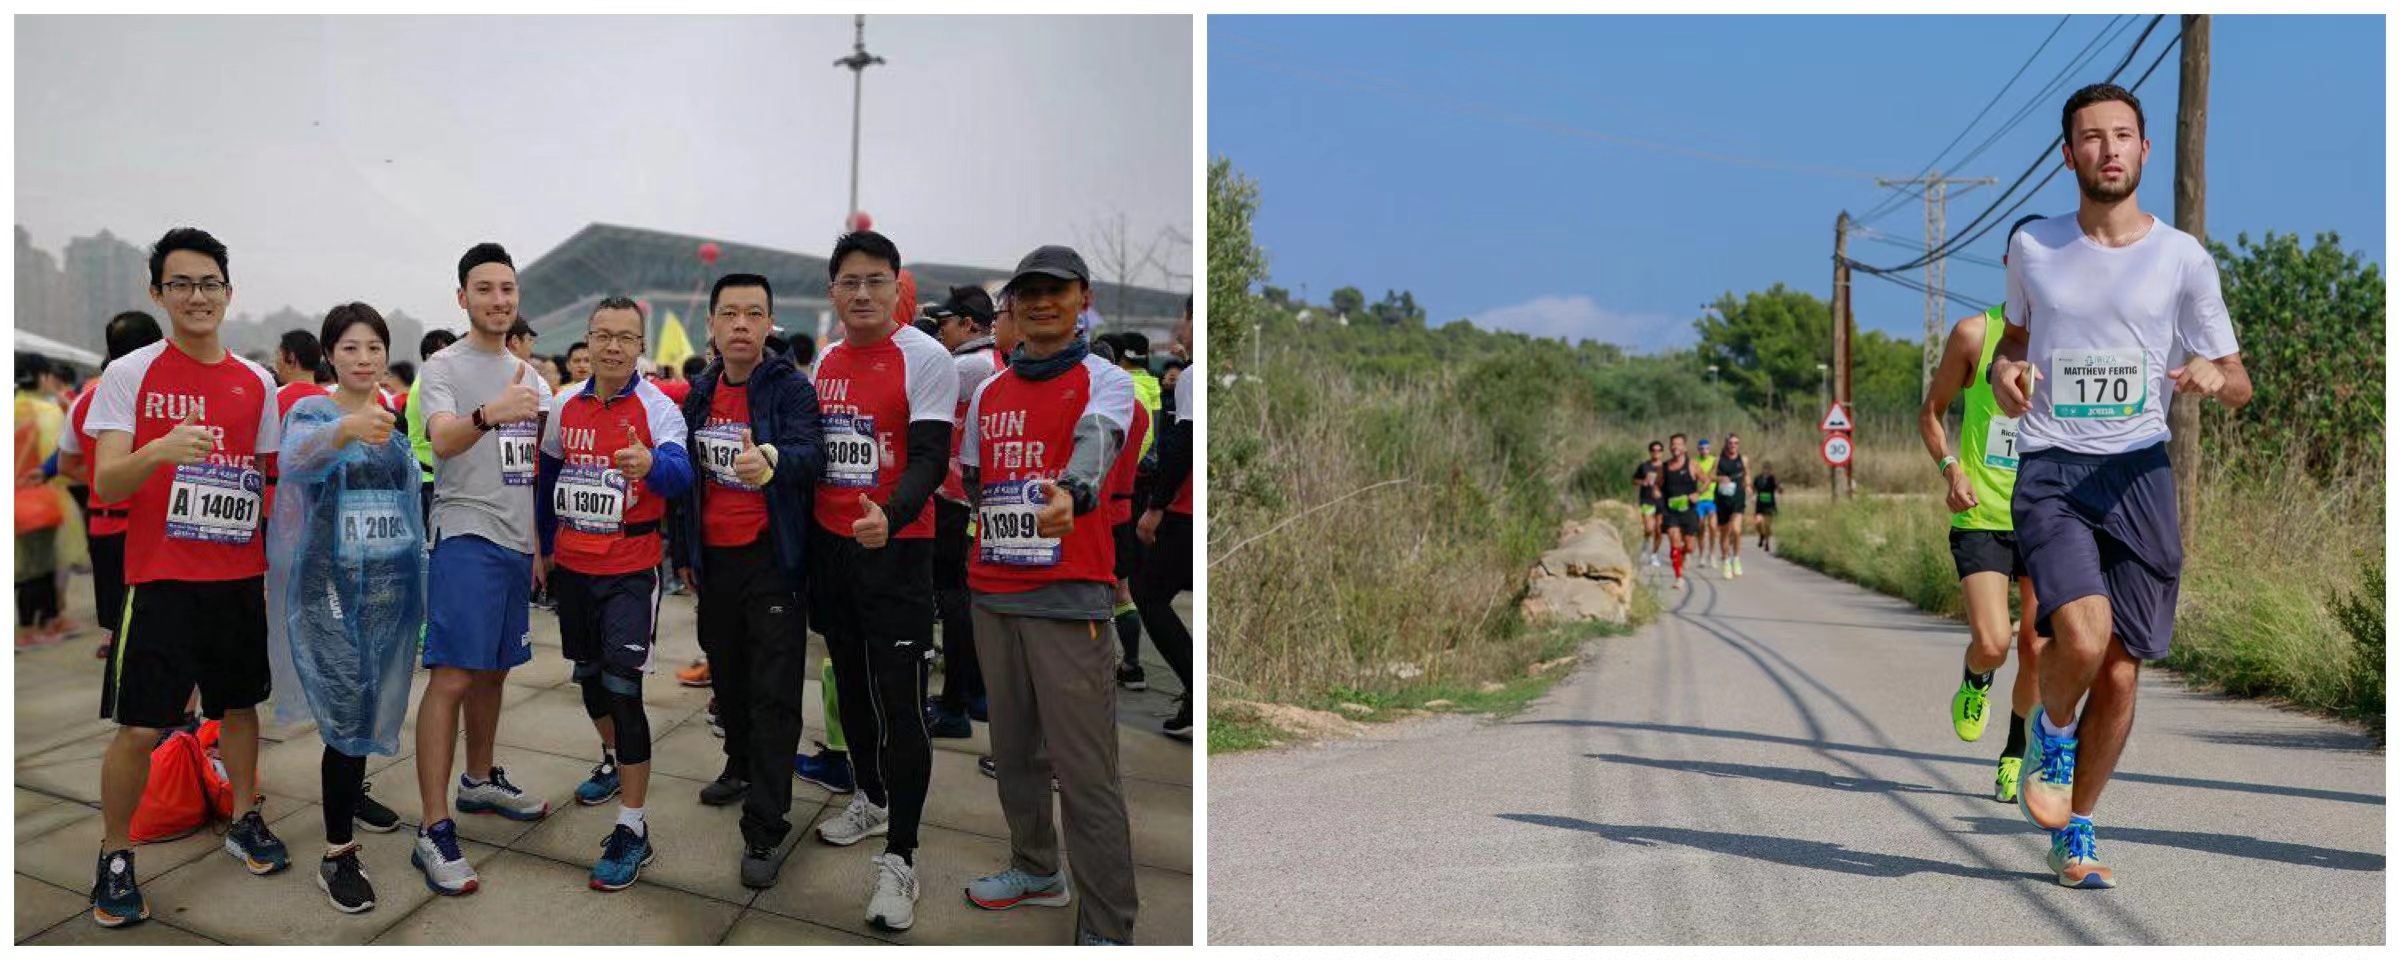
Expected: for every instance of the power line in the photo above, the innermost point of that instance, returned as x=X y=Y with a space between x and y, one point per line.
x=2049 y=94
x=1987 y=108
x=1986 y=220
x=1902 y=280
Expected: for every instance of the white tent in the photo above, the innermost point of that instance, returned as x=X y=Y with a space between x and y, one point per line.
x=36 y=343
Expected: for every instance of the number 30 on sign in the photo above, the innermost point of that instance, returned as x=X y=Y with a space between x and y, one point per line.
x=1837 y=450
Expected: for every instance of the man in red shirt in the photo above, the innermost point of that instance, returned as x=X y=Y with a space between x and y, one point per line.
x=609 y=465
x=296 y=359
x=105 y=522
x=1042 y=438
x=886 y=394
x=186 y=431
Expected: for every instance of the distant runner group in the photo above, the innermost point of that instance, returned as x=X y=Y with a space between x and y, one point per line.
x=1693 y=505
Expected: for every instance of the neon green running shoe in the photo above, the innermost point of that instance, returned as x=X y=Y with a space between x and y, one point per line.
x=1967 y=713
x=1737 y=566
x=2004 y=783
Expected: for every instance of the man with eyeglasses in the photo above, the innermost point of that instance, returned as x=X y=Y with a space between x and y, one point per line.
x=187 y=431
x=887 y=393
x=483 y=413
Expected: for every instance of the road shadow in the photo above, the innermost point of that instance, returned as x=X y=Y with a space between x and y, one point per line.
x=2309 y=793
x=1792 y=775
x=2292 y=739
x=2253 y=848
x=1930 y=624
x=1812 y=854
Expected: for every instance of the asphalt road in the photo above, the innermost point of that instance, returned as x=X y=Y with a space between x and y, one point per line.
x=1772 y=762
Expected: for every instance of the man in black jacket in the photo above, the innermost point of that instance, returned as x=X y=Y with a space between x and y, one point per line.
x=740 y=542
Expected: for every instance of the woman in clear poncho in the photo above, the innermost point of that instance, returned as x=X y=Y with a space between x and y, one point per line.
x=346 y=582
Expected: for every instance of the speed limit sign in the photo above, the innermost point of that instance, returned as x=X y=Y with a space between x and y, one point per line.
x=1837 y=450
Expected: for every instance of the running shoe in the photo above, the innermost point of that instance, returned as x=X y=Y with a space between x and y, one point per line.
x=1180 y=726
x=2075 y=857
x=759 y=867
x=826 y=768
x=2048 y=789
x=1678 y=583
x=1087 y=938
x=1970 y=710
x=255 y=846
x=601 y=786
x=1737 y=566
x=345 y=882
x=499 y=796
x=445 y=866
x=941 y=724
x=695 y=675
x=894 y=906
x=116 y=896
x=2004 y=782
x=1013 y=888
x=1129 y=676
x=724 y=790
x=856 y=822
x=622 y=857
x=372 y=815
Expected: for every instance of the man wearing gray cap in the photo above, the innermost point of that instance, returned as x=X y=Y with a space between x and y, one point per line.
x=1041 y=437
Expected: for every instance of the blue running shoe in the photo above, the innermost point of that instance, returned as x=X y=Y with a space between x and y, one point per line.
x=979 y=709
x=116 y=897
x=2075 y=857
x=603 y=785
x=1013 y=887
x=826 y=768
x=2049 y=789
x=622 y=857
x=257 y=848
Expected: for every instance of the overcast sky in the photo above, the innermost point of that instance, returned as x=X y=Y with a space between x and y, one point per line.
x=355 y=158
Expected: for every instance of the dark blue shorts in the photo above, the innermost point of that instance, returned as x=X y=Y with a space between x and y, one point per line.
x=2092 y=525
x=476 y=596
x=607 y=620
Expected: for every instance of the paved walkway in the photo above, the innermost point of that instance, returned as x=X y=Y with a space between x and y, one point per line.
x=534 y=874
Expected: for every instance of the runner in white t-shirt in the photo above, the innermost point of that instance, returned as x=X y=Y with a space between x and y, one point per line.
x=2109 y=313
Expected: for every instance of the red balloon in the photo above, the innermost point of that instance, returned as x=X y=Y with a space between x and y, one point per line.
x=708 y=252
x=860 y=221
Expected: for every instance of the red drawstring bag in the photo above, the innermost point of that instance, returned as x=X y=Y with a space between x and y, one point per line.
x=186 y=792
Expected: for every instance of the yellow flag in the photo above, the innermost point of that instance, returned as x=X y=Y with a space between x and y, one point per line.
x=673 y=345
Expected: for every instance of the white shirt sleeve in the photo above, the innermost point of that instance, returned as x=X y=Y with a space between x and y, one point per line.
x=550 y=442
x=270 y=414
x=932 y=377
x=2203 y=327
x=2019 y=307
x=665 y=420
x=69 y=441
x=112 y=407
x=968 y=444
x=1112 y=396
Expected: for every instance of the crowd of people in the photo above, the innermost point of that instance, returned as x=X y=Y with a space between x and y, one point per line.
x=990 y=464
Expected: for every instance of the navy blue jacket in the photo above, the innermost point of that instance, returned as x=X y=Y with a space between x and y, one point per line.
x=783 y=414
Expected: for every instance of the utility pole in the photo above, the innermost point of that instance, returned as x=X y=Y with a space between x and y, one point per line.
x=1937 y=226
x=2191 y=216
x=857 y=62
x=1841 y=329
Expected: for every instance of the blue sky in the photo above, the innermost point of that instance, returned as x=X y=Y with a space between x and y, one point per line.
x=1481 y=161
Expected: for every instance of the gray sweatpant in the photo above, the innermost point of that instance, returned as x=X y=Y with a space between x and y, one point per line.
x=1052 y=685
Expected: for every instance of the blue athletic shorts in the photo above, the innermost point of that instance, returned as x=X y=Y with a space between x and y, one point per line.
x=476 y=597
x=2090 y=525
x=1706 y=507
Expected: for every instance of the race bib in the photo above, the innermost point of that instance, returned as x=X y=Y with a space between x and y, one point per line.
x=2109 y=383
x=2000 y=444
x=214 y=503
x=1649 y=509
x=1007 y=517
x=851 y=454
x=517 y=461
x=1766 y=497
x=1679 y=503
x=373 y=526
x=1727 y=488
x=718 y=444
x=590 y=499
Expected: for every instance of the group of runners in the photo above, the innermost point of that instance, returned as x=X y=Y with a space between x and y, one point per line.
x=1693 y=504
x=285 y=554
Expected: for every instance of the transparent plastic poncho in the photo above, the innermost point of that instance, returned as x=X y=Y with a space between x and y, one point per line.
x=345 y=581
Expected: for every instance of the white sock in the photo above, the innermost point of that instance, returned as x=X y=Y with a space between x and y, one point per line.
x=632 y=817
x=2054 y=730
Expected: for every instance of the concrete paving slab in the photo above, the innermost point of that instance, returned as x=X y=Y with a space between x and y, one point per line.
x=699 y=847
x=41 y=906
x=216 y=897
x=528 y=899
x=759 y=928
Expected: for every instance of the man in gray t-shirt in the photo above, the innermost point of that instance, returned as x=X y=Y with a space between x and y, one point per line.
x=484 y=411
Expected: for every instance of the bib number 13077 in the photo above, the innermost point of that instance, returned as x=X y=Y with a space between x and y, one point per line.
x=2100 y=384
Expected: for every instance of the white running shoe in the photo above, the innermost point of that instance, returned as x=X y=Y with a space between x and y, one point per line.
x=1678 y=583
x=445 y=866
x=857 y=822
x=894 y=906
x=499 y=796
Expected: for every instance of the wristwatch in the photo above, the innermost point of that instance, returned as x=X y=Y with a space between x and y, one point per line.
x=479 y=422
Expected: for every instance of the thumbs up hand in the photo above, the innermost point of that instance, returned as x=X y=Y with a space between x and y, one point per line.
x=1056 y=517
x=633 y=459
x=751 y=465
x=187 y=443
x=517 y=403
x=873 y=530
x=371 y=425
